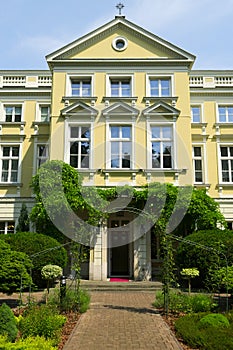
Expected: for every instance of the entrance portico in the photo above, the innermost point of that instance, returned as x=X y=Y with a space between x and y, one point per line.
x=120 y=251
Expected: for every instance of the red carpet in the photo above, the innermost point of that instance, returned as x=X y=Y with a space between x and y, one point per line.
x=119 y=279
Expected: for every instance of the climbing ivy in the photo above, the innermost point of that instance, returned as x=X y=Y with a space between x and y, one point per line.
x=169 y=209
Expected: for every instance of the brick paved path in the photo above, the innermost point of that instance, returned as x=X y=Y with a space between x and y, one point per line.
x=122 y=321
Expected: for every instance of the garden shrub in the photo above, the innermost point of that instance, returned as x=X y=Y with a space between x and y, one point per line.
x=189 y=255
x=30 y=343
x=41 y=321
x=214 y=320
x=186 y=328
x=204 y=338
x=14 y=270
x=181 y=302
x=223 y=278
x=84 y=301
x=32 y=243
x=72 y=301
x=8 y=323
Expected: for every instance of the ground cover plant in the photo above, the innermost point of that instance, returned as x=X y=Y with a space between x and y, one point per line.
x=30 y=343
x=40 y=326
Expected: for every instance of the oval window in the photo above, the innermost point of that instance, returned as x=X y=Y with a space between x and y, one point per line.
x=119 y=43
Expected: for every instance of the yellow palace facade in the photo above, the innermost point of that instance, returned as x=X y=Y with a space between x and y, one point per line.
x=122 y=106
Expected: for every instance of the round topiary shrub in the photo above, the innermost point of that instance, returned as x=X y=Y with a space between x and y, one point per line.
x=7 y=323
x=214 y=320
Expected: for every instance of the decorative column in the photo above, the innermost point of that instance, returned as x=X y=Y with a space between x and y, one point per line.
x=98 y=268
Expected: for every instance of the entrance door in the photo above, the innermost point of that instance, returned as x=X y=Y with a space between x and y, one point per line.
x=119 y=248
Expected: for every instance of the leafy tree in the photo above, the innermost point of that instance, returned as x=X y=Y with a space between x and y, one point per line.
x=23 y=222
x=203 y=214
x=223 y=278
x=42 y=249
x=208 y=251
x=14 y=272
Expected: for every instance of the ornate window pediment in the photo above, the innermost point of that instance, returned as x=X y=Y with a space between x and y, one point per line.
x=161 y=109
x=120 y=109
x=79 y=109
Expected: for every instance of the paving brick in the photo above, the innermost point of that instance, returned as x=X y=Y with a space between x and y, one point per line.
x=122 y=321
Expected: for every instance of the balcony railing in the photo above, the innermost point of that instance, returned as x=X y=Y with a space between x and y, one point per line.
x=211 y=82
x=31 y=81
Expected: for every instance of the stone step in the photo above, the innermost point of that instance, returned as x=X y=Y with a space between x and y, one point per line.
x=121 y=286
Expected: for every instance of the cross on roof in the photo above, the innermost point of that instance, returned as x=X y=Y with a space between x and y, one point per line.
x=119 y=6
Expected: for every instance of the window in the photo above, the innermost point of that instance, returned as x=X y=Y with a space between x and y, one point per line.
x=161 y=146
x=225 y=114
x=120 y=87
x=7 y=227
x=197 y=164
x=9 y=163
x=81 y=87
x=44 y=113
x=119 y=43
x=196 y=114
x=13 y=113
x=160 y=87
x=226 y=154
x=42 y=155
x=79 y=147
x=120 y=138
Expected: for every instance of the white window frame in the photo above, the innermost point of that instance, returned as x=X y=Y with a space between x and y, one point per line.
x=151 y=139
x=11 y=104
x=228 y=158
x=200 y=106
x=81 y=77
x=6 y=224
x=226 y=105
x=110 y=123
x=150 y=77
x=19 y=162
x=38 y=111
x=45 y=155
x=120 y=141
x=119 y=77
x=79 y=139
x=201 y=158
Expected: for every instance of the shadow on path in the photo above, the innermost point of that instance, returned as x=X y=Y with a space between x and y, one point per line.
x=132 y=309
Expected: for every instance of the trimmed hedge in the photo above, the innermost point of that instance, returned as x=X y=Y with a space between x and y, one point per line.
x=35 y=243
x=211 y=337
x=205 y=260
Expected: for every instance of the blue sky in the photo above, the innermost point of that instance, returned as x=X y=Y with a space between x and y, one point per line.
x=29 y=30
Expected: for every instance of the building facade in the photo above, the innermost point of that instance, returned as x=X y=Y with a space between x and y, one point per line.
x=122 y=106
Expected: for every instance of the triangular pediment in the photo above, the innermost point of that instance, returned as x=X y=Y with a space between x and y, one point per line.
x=120 y=109
x=161 y=109
x=78 y=108
x=141 y=45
